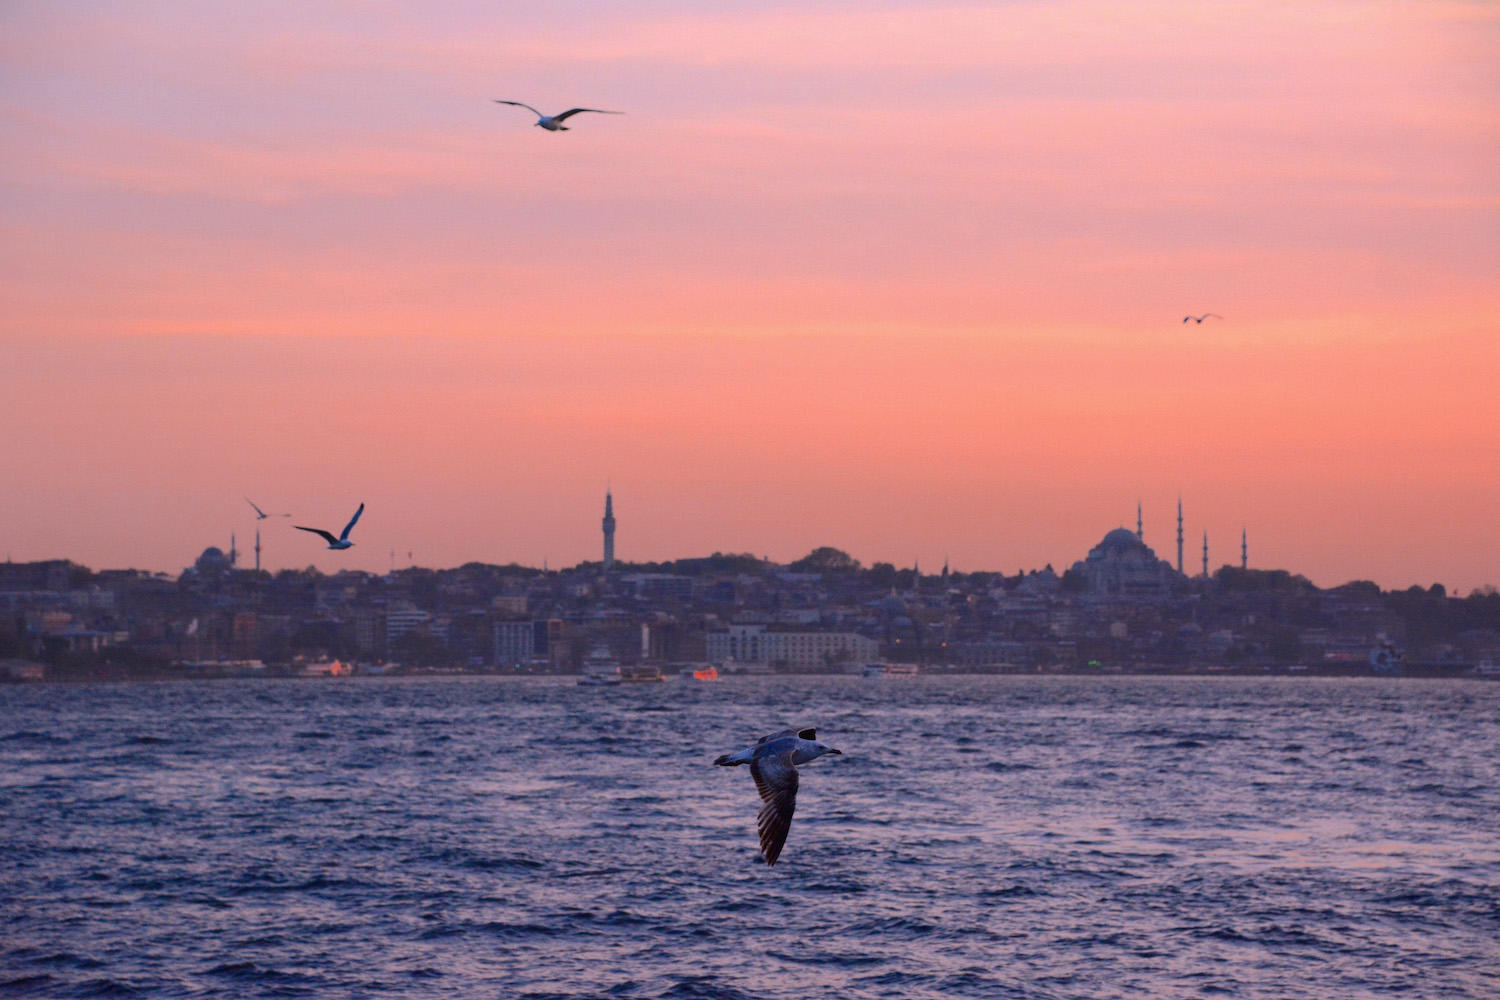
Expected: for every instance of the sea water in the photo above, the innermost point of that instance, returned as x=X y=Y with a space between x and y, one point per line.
x=980 y=837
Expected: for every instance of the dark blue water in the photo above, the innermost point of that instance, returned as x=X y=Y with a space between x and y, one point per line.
x=981 y=837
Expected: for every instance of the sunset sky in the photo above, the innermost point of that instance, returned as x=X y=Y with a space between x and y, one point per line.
x=900 y=278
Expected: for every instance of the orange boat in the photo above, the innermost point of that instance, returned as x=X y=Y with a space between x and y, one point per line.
x=711 y=674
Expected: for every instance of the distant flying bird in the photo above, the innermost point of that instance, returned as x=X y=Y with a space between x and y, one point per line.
x=1200 y=319
x=773 y=764
x=261 y=515
x=341 y=542
x=554 y=123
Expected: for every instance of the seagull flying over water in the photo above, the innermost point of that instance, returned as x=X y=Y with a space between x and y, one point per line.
x=773 y=764
x=554 y=123
x=1200 y=319
x=261 y=515
x=341 y=542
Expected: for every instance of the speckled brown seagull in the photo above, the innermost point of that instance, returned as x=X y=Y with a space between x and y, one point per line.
x=773 y=764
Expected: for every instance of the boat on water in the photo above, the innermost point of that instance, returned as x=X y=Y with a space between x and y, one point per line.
x=1386 y=660
x=889 y=670
x=600 y=680
x=641 y=675
x=600 y=669
x=699 y=672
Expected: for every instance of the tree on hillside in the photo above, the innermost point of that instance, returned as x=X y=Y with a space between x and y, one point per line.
x=826 y=560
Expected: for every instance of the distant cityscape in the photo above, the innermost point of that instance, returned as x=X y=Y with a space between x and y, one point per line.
x=1118 y=609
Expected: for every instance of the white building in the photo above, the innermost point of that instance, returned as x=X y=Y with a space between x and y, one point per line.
x=515 y=642
x=757 y=644
x=399 y=621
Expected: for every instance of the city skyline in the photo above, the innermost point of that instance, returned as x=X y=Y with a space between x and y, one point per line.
x=904 y=280
x=605 y=556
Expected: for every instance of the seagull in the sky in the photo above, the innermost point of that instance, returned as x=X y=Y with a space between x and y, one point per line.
x=554 y=123
x=1200 y=319
x=341 y=542
x=773 y=764
x=261 y=515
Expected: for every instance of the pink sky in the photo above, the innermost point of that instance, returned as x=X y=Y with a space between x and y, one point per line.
x=903 y=279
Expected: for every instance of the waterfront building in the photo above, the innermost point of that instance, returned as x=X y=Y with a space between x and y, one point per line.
x=758 y=644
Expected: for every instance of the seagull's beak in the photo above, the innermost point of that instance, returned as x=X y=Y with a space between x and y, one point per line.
x=839 y=752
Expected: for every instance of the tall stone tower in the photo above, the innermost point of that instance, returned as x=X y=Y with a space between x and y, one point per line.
x=1244 y=549
x=1205 y=554
x=1140 y=525
x=609 y=531
x=1179 y=534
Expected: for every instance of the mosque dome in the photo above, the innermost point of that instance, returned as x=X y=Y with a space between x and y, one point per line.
x=1120 y=540
x=212 y=560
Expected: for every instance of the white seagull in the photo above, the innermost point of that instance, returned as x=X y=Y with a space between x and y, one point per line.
x=261 y=515
x=1200 y=319
x=554 y=123
x=773 y=764
x=341 y=542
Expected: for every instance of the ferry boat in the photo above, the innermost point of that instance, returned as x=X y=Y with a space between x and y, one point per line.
x=641 y=675
x=889 y=670
x=600 y=680
x=600 y=669
x=1386 y=659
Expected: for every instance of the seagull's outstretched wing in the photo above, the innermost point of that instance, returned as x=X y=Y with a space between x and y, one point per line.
x=776 y=781
x=520 y=105
x=573 y=111
x=806 y=734
x=344 y=537
x=318 y=531
x=258 y=511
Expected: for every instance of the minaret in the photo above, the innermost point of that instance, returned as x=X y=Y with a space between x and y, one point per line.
x=1205 y=554
x=234 y=554
x=945 y=572
x=1140 y=526
x=609 y=531
x=1179 y=534
x=1244 y=549
x=916 y=576
x=257 y=550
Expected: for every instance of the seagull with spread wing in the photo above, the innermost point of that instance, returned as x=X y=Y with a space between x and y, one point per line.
x=1199 y=319
x=341 y=542
x=554 y=123
x=261 y=515
x=773 y=764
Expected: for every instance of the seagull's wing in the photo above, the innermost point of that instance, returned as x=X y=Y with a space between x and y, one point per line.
x=520 y=105
x=1214 y=315
x=318 y=531
x=257 y=509
x=573 y=111
x=776 y=781
x=1186 y=318
x=350 y=526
